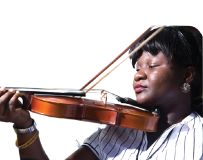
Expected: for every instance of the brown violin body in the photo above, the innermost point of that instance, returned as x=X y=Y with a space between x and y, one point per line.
x=93 y=111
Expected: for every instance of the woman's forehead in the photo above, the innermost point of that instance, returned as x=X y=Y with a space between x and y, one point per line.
x=147 y=57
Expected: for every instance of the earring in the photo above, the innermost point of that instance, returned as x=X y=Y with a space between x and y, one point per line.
x=185 y=87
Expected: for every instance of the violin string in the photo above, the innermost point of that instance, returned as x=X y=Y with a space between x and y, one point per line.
x=135 y=50
x=111 y=93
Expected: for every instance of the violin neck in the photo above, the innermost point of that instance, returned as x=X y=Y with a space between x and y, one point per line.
x=43 y=90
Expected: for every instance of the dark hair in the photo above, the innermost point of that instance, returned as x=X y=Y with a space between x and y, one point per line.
x=28 y=159
x=183 y=44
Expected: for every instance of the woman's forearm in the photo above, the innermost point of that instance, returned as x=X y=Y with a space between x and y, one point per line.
x=35 y=150
x=29 y=143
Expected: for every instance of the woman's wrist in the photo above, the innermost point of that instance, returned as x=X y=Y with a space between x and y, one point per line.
x=25 y=129
x=25 y=125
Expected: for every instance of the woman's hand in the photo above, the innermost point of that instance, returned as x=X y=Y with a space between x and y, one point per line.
x=10 y=109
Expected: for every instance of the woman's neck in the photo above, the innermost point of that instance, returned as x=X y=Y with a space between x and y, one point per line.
x=175 y=111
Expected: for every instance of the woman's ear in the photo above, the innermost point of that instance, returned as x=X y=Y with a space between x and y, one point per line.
x=189 y=74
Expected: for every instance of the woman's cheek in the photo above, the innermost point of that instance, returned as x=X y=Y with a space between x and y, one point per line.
x=155 y=77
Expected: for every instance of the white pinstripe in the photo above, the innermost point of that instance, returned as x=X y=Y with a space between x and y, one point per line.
x=180 y=141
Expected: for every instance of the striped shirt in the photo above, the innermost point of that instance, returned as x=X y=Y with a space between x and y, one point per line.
x=180 y=141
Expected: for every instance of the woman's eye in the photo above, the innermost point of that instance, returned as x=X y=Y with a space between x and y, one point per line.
x=137 y=70
x=152 y=66
x=149 y=67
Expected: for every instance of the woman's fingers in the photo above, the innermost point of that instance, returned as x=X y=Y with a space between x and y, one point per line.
x=8 y=109
x=2 y=91
x=13 y=101
x=4 y=99
x=7 y=96
x=2 y=108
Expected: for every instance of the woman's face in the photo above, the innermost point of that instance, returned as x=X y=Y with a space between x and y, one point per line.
x=157 y=80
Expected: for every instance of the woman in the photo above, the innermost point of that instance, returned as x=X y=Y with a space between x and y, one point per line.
x=169 y=76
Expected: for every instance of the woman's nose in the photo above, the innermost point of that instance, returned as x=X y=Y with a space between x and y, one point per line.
x=140 y=75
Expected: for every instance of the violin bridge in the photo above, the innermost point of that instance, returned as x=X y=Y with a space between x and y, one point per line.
x=103 y=97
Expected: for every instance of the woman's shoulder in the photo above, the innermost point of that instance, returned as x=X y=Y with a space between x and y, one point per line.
x=116 y=130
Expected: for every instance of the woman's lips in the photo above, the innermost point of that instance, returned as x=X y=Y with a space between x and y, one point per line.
x=139 y=89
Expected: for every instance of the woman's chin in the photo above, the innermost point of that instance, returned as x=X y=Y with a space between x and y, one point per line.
x=146 y=101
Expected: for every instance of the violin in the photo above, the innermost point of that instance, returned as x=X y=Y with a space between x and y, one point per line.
x=73 y=105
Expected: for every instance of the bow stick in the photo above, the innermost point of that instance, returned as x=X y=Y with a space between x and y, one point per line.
x=139 y=38
x=118 y=57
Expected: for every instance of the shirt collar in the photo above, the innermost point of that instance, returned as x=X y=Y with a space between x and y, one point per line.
x=191 y=120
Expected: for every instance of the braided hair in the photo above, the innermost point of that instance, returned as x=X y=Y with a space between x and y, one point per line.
x=184 y=45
